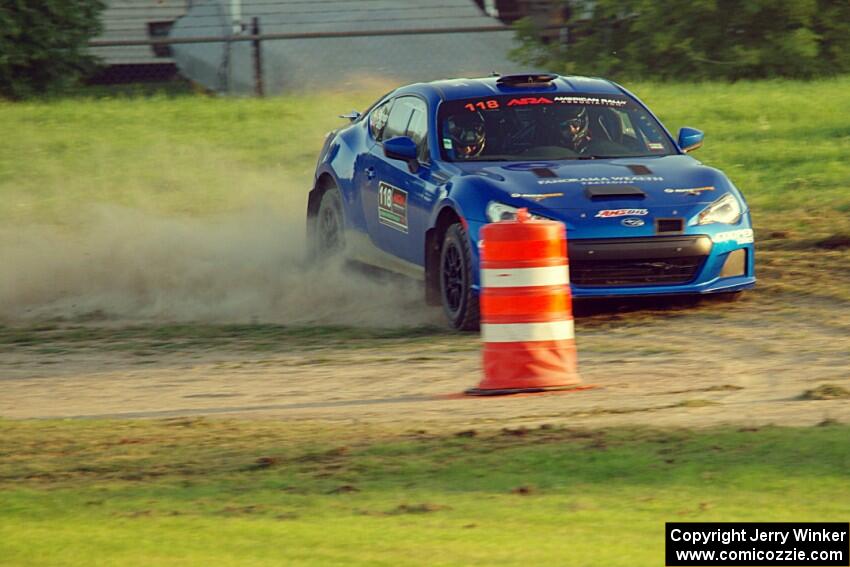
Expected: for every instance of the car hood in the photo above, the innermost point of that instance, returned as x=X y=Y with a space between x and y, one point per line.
x=603 y=184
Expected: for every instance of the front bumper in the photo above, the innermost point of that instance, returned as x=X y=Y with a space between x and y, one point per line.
x=662 y=265
x=658 y=265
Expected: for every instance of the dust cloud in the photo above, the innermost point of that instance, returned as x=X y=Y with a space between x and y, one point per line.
x=245 y=266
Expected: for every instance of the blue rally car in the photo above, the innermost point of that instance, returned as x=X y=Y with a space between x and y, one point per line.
x=409 y=183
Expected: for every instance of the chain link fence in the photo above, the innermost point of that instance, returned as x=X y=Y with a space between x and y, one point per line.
x=274 y=46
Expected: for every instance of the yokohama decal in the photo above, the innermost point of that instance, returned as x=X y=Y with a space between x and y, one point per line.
x=392 y=206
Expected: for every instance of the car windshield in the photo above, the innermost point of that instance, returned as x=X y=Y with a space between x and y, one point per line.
x=548 y=127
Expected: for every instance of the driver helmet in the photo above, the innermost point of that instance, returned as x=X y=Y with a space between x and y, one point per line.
x=466 y=131
x=573 y=124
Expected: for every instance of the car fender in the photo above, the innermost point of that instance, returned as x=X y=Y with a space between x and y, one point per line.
x=338 y=164
x=466 y=197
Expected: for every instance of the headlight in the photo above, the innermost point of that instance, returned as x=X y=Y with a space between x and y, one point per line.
x=499 y=211
x=725 y=210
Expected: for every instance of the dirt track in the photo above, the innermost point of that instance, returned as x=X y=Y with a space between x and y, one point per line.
x=747 y=363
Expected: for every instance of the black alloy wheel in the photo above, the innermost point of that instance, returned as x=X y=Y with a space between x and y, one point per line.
x=460 y=303
x=329 y=228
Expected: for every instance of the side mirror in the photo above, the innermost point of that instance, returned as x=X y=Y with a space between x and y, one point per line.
x=690 y=139
x=353 y=115
x=400 y=147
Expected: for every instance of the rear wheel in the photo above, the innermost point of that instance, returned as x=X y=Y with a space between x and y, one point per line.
x=460 y=303
x=328 y=235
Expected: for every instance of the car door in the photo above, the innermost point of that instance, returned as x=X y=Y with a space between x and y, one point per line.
x=396 y=195
x=423 y=187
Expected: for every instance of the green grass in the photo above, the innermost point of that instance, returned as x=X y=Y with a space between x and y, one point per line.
x=784 y=143
x=207 y=492
x=185 y=154
x=781 y=142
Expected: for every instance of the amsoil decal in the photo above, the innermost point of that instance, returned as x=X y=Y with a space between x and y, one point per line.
x=392 y=206
x=611 y=213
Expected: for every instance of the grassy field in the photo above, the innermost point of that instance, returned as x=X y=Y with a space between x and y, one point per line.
x=218 y=492
x=203 y=492
x=784 y=143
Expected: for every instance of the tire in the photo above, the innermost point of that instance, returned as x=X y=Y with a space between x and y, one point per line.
x=460 y=303
x=329 y=229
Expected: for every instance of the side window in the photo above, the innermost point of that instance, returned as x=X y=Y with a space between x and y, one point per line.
x=628 y=128
x=378 y=120
x=399 y=118
x=418 y=128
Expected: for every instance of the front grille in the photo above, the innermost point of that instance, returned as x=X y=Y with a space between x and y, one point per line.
x=649 y=271
x=660 y=260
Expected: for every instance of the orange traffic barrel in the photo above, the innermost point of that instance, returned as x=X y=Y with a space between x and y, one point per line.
x=526 y=308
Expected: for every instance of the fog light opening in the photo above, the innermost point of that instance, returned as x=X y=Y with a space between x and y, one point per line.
x=735 y=264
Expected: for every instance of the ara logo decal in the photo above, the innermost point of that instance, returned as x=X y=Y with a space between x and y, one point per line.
x=392 y=206
x=632 y=222
x=611 y=213
x=529 y=100
x=535 y=196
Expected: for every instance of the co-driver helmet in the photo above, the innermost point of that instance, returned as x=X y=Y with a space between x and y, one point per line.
x=573 y=124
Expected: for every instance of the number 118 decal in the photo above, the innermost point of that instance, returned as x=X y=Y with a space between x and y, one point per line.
x=392 y=206
x=482 y=105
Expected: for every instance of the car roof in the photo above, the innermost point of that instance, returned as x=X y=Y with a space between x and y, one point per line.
x=454 y=89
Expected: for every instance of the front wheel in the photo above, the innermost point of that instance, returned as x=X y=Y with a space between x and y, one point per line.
x=460 y=303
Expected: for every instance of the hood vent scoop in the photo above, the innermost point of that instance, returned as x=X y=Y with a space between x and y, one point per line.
x=614 y=192
x=544 y=172
x=637 y=169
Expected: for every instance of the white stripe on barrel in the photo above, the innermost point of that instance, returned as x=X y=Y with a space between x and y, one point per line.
x=525 y=277
x=524 y=332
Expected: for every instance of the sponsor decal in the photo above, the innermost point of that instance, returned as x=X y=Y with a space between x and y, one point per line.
x=392 y=206
x=447 y=143
x=655 y=146
x=529 y=100
x=742 y=236
x=690 y=190
x=592 y=100
x=632 y=222
x=535 y=196
x=613 y=180
x=611 y=213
